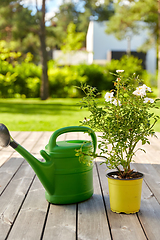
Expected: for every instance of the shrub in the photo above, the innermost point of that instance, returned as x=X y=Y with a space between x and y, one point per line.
x=63 y=81
x=23 y=79
x=95 y=76
x=28 y=79
x=129 y=64
x=18 y=79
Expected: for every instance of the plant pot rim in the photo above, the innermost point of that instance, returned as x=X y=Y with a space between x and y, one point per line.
x=109 y=175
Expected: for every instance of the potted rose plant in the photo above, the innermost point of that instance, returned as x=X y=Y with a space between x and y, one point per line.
x=124 y=118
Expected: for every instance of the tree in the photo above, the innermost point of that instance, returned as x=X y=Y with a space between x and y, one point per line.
x=125 y=21
x=80 y=13
x=73 y=41
x=42 y=36
x=15 y=24
x=98 y=11
x=20 y=24
x=127 y=16
x=67 y=13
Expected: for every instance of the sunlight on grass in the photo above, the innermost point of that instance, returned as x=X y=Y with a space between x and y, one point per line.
x=37 y=115
x=49 y=115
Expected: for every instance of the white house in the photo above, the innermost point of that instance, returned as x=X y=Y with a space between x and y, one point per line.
x=100 y=45
x=72 y=58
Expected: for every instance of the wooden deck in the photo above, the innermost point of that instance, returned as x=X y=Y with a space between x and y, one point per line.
x=25 y=214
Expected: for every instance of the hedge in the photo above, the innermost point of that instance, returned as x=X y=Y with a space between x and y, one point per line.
x=23 y=79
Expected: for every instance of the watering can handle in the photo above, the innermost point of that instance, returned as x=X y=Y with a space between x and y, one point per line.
x=52 y=141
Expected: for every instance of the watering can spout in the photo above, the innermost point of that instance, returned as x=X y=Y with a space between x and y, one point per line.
x=40 y=168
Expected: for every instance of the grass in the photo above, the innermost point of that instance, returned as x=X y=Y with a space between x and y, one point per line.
x=37 y=115
x=49 y=115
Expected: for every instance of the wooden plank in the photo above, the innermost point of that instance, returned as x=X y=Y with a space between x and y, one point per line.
x=14 y=133
x=8 y=170
x=13 y=196
x=71 y=136
x=42 y=141
x=151 y=157
x=83 y=136
x=6 y=152
x=25 y=212
x=18 y=187
x=20 y=138
x=86 y=136
x=123 y=226
x=151 y=175
x=30 y=221
x=35 y=199
x=92 y=220
x=5 y=156
x=152 y=154
x=31 y=140
x=155 y=140
x=61 y=222
x=150 y=214
x=10 y=167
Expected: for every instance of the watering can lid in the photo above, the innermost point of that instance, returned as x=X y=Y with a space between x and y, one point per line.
x=69 y=146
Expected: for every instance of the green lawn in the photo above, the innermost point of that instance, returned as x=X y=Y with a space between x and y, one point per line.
x=49 y=115
x=37 y=115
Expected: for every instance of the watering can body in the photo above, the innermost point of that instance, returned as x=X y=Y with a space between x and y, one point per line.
x=72 y=179
x=65 y=178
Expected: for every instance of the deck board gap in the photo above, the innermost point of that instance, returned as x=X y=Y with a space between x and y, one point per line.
x=77 y=221
x=109 y=226
x=142 y=226
x=45 y=221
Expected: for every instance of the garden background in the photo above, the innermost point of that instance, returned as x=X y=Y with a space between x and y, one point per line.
x=28 y=74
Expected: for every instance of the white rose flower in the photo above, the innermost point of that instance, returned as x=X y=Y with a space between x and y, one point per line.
x=138 y=92
x=115 y=102
x=148 y=100
x=141 y=91
x=119 y=71
x=109 y=96
x=147 y=88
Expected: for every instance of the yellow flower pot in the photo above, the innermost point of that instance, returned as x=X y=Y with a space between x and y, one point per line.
x=125 y=194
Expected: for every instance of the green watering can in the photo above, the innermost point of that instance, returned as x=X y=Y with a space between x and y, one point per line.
x=65 y=178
